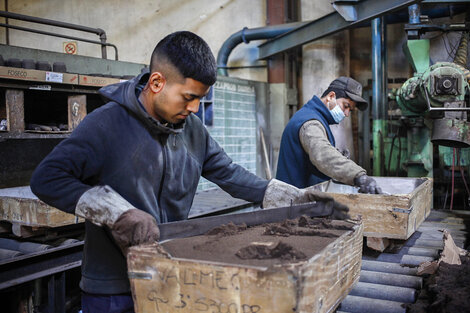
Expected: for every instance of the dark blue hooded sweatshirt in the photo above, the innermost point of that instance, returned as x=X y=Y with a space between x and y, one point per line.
x=294 y=166
x=154 y=167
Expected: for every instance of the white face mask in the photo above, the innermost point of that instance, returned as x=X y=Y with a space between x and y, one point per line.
x=337 y=113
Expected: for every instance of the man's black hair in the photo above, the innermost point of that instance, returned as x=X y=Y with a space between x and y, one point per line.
x=188 y=53
x=339 y=93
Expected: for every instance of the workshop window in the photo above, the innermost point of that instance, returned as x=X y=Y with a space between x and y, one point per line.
x=206 y=112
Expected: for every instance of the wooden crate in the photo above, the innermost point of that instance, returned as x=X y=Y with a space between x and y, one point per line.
x=395 y=215
x=161 y=283
x=20 y=206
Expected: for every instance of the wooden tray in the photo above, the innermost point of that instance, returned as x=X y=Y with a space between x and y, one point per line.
x=161 y=283
x=395 y=215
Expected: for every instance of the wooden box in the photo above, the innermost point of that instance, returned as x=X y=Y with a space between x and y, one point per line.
x=20 y=206
x=396 y=214
x=161 y=283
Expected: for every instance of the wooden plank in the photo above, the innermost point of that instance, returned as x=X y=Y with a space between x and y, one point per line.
x=15 y=110
x=20 y=206
x=394 y=216
x=163 y=284
x=87 y=80
x=76 y=110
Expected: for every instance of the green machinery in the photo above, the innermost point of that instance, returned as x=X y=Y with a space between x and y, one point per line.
x=433 y=107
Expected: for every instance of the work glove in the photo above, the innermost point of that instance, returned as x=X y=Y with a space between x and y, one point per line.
x=129 y=226
x=280 y=194
x=367 y=184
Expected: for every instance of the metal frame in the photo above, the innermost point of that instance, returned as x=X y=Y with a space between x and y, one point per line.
x=32 y=266
x=98 y=31
x=329 y=24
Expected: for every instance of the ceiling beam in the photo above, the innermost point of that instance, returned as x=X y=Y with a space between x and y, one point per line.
x=366 y=10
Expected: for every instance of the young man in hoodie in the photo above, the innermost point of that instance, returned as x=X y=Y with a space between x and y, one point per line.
x=136 y=162
x=307 y=154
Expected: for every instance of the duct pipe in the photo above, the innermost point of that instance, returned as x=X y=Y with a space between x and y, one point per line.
x=246 y=35
x=268 y=32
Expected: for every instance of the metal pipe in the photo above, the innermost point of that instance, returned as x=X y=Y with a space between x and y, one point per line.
x=357 y=304
x=387 y=267
x=399 y=258
x=44 y=21
x=383 y=64
x=98 y=31
x=414 y=13
x=415 y=259
x=246 y=35
x=391 y=279
x=378 y=127
x=23 y=247
x=64 y=36
x=384 y=292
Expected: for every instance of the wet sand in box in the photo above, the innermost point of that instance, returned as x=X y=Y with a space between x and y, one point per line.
x=262 y=245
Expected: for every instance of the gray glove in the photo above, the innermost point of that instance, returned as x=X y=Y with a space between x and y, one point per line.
x=280 y=194
x=367 y=184
x=129 y=226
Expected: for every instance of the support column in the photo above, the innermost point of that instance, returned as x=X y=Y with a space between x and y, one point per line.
x=378 y=93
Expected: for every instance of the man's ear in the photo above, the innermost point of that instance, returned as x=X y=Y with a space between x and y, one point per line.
x=331 y=95
x=156 y=82
x=329 y=98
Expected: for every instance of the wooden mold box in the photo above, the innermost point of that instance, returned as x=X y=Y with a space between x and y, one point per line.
x=396 y=214
x=20 y=206
x=162 y=283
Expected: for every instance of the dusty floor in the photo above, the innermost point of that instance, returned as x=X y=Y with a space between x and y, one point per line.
x=446 y=291
x=263 y=245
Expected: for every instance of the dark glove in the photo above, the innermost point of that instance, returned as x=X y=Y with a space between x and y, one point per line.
x=367 y=184
x=134 y=227
x=338 y=210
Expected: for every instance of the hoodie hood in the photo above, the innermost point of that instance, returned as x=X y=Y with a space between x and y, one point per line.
x=126 y=94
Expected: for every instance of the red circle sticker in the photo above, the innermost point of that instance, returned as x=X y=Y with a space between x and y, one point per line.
x=70 y=47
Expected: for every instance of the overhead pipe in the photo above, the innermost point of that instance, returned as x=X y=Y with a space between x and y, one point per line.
x=248 y=34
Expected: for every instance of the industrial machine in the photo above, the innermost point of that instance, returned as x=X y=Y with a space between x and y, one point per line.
x=433 y=107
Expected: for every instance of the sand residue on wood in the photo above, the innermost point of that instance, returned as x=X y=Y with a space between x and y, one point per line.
x=262 y=245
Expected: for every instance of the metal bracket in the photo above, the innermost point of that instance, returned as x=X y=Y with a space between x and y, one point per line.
x=402 y=210
x=138 y=275
x=428 y=102
x=346 y=9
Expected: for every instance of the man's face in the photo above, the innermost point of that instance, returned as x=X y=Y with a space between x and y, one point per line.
x=177 y=100
x=347 y=105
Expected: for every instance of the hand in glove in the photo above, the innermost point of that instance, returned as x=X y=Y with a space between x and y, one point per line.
x=129 y=226
x=367 y=184
x=134 y=227
x=280 y=194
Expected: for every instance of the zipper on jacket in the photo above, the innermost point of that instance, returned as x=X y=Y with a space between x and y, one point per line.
x=174 y=140
x=162 y=179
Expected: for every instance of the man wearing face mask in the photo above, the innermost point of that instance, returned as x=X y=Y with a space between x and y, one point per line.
x=307 y=155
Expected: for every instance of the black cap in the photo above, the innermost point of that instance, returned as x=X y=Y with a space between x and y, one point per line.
x=352 y=88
